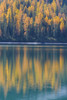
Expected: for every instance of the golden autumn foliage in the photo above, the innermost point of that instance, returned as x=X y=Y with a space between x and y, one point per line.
x=9 y=15
x=31 y=9
x=38 y=19
x=47 y=12
x=49 y=21
x=54 y=5
x=19 y=19
x=62 y=26
x=56 y=20
x=26 y=24
x=25 y=17
x=31 y=21
x=46 y=19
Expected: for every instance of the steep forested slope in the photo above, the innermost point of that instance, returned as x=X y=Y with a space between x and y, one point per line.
x=33 y=20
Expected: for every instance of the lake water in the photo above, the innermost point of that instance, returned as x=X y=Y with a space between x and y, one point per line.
x=33 y=72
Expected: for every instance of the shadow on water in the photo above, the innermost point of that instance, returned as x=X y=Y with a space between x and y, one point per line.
x=33 y=72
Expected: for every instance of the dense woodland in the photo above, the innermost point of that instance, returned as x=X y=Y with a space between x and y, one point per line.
x=33 y=20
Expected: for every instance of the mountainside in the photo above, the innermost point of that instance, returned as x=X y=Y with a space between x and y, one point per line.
x=33 y=20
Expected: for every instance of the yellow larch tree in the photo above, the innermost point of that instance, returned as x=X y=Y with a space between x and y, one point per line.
x=62 y=26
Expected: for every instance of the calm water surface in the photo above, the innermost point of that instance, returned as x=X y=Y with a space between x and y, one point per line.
x=33 y=72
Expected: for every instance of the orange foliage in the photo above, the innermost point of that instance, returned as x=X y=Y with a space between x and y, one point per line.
x=47 y=12
x=62 y=26
x=56 y=20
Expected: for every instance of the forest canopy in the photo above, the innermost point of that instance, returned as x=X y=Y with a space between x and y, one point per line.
x=33 y=20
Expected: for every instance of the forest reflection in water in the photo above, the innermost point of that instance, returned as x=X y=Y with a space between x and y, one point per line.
x=32 y=69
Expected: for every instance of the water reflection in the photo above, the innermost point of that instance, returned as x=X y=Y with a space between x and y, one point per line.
x=33 y=69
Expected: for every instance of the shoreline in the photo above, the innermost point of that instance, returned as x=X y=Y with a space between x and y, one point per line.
x=30 y=43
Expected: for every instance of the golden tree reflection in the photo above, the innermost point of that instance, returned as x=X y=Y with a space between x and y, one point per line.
x=32 y=71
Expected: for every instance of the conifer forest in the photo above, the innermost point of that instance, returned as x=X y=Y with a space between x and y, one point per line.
x=33 y=20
